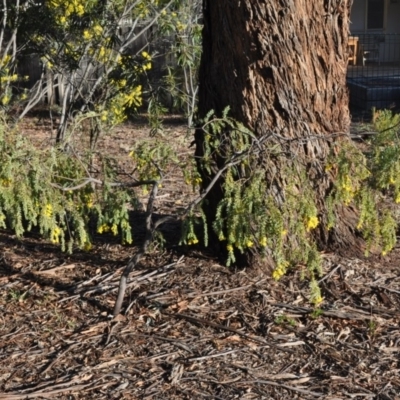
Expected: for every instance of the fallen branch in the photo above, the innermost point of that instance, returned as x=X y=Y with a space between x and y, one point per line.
x=150 y=228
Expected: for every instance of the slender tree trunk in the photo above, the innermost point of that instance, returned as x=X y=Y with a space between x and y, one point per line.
x=280 y=65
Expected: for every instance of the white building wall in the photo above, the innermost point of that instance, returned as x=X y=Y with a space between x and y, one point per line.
x=358 y=17
x=393 y=18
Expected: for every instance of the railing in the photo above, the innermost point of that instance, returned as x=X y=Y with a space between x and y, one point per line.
x=373 y=73
x=373 y=52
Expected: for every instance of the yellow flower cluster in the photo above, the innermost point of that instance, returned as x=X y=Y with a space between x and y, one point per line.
x=134 y=98
x=97 y=29
x=312 y=223
x=104 y=116
x=263 y=242
x=6 y=78
x=142 y=10
x=48 y=210
x=87 y=246
x=69 y=7
x=103 y=54
x=88 y=200
x=348 y=191
x=5 y=99
x=103 y=228
x=318 y=300
x=194 y=181
x=116 y=110
x=55 y=235
x=94 y=32
x=193 y=241
x=9 y=78
x=87 y=35
x=180 y=27
x=5 y=182
x=249 y=243
x=346 y=184
x=147 y=58
x=117 y=114
x=280 y=270
x=146 y=55
x=328 y=167
x=5 y=60
x=121 y=83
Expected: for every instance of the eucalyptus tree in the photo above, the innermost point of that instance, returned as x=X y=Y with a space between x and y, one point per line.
x=293 y=181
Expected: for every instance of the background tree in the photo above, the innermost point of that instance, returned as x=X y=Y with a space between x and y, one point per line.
x=93 y=49
x=94 y=54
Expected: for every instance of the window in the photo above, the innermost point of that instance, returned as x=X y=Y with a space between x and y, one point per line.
x=375 y=14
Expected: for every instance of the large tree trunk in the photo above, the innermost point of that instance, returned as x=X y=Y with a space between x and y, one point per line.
x=281 y=67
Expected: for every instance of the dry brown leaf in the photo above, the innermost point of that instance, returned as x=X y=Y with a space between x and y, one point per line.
x=53 y=271
x=119 y=318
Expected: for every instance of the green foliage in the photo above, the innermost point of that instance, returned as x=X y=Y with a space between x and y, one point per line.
x=316 y=313
x=189 y=234
x=251 y=215
x=17 y=296
x=49 y=189
x=385 y=154
x=279 y=219
x=285 y=320
x=183 y=59
x=349 y=165
x=151 y=158
x=365 y=179
x=372 y=327
x=112 y=213
x=82 y=41
x=241 y=206
x=315 y=293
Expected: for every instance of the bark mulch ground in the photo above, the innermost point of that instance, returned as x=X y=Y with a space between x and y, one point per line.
x=192 y=328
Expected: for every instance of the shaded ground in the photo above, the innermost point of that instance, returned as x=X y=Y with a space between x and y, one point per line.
x=191 y=328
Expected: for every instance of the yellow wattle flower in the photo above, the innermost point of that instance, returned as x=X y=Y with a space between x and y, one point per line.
x=318 y=300
x=48 y=210
x=312 y=223
x=263 y=242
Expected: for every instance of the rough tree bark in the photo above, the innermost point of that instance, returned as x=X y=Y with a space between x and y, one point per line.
x=281 y=67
